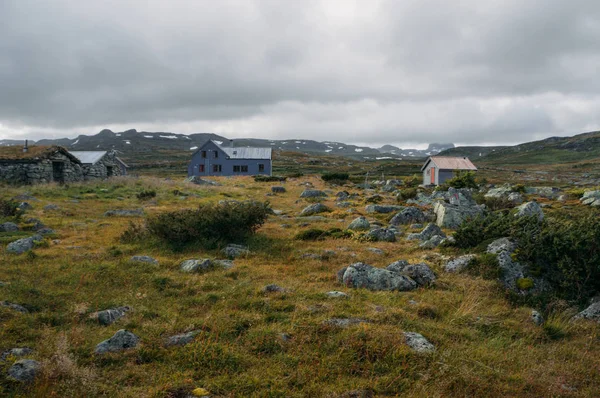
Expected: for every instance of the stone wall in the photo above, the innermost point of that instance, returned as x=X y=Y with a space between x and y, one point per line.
x=99 y=170
x=39 y=171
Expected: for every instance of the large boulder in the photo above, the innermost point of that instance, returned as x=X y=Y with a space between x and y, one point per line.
x=360 y=275
x=459 y=263
x=383 y=208
x=427 y=233
x=313 y=193
x=409 y=215
x=530 y=209
x=459 y=197
x=420 y=273
x=500 y=245
x=591 y=198
x=512 y=270
x=453 y=215
x=499 y=192
x=381 y=235
x=122 y=340
x=24 y=370
x=315 y=208
x=592 y=312
x=359 y=224
x=544 y=192
x=23 y=245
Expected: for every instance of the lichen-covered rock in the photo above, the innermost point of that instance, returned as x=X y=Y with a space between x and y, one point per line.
x=432 y=243
x=591 y=198
x=23 y=245
x=360 y=224
x=181 y=339
x=233 y=251
x=592 y=312
x=452 y=216
x=200 y=181
x=512 y=271
x=336 y=294
x=15 y=352
x=315 y=208
x=515 y=198
x=360 y=275
x=144 y=259
x=313 y=193
x=459 y=263
x=124 y=213
x=427 y=233
x=420 y=273
x=537 y=318
x=24 y=370
x=502 y=244
x=278 y=189
x=381 y=235
x=111 y=315
x=409 y=215
x=530 y=209
x=194 y=265
x=344 y=322
x=383 y=208
x=9 y=227
x=122 y=340
x=418 y=343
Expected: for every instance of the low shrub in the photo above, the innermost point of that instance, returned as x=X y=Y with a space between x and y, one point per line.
x=485 y=266
x=263 y=178
x=146 y=194
x=335 y=177
x=483 y=228
x=407 y=193
x=413 y=182
x=295 y=175
x=319 y=234
x=9 y=208
x=462 y=180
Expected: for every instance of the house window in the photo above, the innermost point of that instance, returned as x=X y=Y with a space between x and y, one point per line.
x=201 y=168
x=244 y=169
x=216 y=154
x=216 y=168
x=203 y=154
x=261 y=168
x=236 y=169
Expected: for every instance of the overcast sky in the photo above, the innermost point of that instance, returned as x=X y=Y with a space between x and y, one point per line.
x=365 y=71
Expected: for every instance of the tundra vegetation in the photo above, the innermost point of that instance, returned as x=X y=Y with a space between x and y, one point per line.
x=108 y=303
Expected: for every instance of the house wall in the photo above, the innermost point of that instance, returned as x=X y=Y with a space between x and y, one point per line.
x=444 y=175
x=226 y=164
x=427 y=174
x=39 y=172
x=99 y=170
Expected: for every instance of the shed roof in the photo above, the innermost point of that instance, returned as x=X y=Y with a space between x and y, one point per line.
x=450 y=163
x=88 y=157
x=34 y=153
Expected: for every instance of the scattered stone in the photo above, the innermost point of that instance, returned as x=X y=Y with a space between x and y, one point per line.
x=45 y=231
x=23 y=245
x=181 y=339
x=25 y=206
x=193 y=265
x=342 y=195
x=592 y=312
x=51 y=207
x=278 y=189
x=122 y=340
x=336 y=294
x=124 y=213
x=427 y=233
x=315 y=208
x=199 y=181
x=459 y=264
x=233 y=251
x=225 y=264
x=500 y=245
x=544 y=192
x=499 y=192
x=432 y=243
x=381 y=235
x=591 y=198
x=313 y=193
x=15 y=352
x=24 y=370
x=382 y=208
x=515 y=198
x=144 y=259
x=272 y=288
x=14 y=307
x=537 y=318
x=416 y=226
x=359 y=224
x=110 y=316
x=420 y=273
x=361 y=275
x=409 y=215
x=285 y=337
x=376 y=250
x=9 y=227
x=418 y=343
x=530 y=209
x=344 y=322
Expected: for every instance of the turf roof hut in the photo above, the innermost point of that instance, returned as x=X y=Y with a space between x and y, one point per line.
x=38 y=164
x=100 y=164
x=438 y=169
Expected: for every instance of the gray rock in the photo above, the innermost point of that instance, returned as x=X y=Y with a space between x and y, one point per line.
x=24 y=370
x=427 y=233
x=14 y=307
x=537 y=318
x=515 y=198
x=360 y=275
x=272 y=288
x=500 y=245
x=397 y=266
x=382 y=208
x=25 y=206
x=408 y=216
x=336 y=294
x=193 y=265
x=499 y=192
x=15 y=352
x=418 y=343
x=420 y=273
x=23 y=245
x=124 y=213
x=181 y=339
x=45 y=231
x=360 y=224
x=342 y=195
x=108 y=317
x=226 y=264
x=592 y=312
x=394 y=183
x=278 y=189
x=200 y=181
x=145 y=259
x=512 y=271
x=545 y=192
x=381 y=235
x=376 y=250
x=233 y=251
x=313 y=193
x=122 y=340
x=315 y=208
x=9 y=227
x=51 y=207
x=452 y=216
x=459 y=263
x=530 y=209
x=344 y=322
x=432 y=243
x=416 y=226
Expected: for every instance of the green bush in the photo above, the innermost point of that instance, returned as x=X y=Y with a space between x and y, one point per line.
x=413 y=182
x=407 y=193
x=481 y=229
x=335 y=177
x=263 y=178
x=295 y=175
x=520 y=188
x=462 y=180
x=485 y=266
x=146 y=194
x=208 y=226
x=9 y=208
x=319 y=234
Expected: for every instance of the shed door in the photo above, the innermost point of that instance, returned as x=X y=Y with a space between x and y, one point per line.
x=433 y=176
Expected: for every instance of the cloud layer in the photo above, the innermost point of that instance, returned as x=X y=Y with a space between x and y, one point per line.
x=388 y=71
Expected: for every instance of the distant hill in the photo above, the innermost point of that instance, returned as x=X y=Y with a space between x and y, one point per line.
x=433 y=149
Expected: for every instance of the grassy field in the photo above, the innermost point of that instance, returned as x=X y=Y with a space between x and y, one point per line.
x=257 y=344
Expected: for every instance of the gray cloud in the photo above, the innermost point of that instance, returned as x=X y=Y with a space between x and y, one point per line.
x=388 y=71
